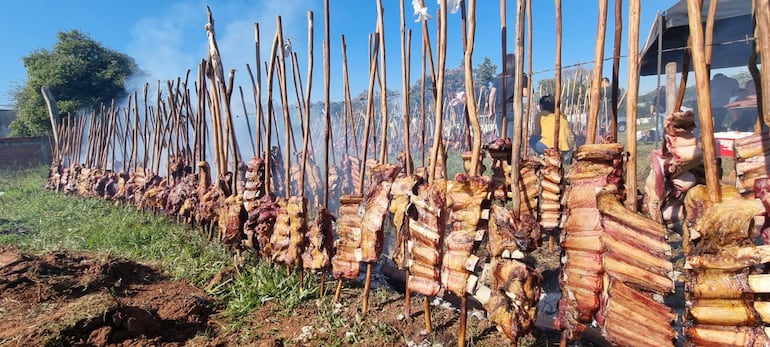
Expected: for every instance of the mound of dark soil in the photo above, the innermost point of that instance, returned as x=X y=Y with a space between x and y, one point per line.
x=64 y=299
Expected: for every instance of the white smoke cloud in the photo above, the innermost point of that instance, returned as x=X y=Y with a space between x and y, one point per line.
x=167 y=44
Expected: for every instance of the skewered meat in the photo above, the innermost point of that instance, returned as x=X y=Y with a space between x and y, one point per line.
x=626 y=312
x=597 y=168
x=179 y=193
x=347 y=256
x=515 y=294
x=468 y=198
x=550 y=186
x=751 y=160
x=255 y=178
x=727 y=336
x=376 y=200
x=265 y=215
x=296 y=208
x=288 y=236
x=70 y=179
x=509 y=237
x=320 y=238
x=280 y=239
x=401 y=191
x=54 y=176
x=231 y=218
x=719 y=225
x=635 y=250
x=253 y=192
x=426 y=233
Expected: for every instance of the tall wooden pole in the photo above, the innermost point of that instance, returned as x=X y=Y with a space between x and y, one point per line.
x=634 y=10
x=557 y=87
x=284 y=104
x=709 y=33
x=529 y=97
x=503 y=92
x=517 y=107
x=593 y=111
x=704 y=101
x=327 y=103
x=762 y=13
x=270 y=109
x=258 y=89
x=616 y=69
x=473 y=116
x=383 y=83
x=405 y=78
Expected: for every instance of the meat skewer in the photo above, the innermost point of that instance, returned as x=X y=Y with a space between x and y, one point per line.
x=596 y=167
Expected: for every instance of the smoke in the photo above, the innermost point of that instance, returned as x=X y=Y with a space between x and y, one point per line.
x=167 y=44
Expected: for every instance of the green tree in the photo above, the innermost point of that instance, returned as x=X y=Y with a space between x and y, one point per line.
x=485 y=72
x=80 y=72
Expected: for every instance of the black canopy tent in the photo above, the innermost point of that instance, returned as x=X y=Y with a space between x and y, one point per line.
x=733 y=36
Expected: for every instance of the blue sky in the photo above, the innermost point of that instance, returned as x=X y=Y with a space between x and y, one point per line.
x=167 y=37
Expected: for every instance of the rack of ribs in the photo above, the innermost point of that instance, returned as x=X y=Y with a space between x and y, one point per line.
x=637 y=269
x=376 y=200
x=427 y=225
x=597 y=167
x=347 y=256
x=320 y=241
x=725 y=290
x=468 y=199
x=549 y=211
x=401 y=192
x=752 y=155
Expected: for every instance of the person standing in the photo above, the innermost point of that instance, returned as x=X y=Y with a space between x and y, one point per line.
x=547 y=122
x=497 y=99
x=722 y=89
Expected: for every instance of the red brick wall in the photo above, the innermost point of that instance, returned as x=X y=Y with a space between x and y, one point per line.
x=19 y=152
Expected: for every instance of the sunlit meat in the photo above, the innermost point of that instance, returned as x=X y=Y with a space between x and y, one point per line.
x=426 y=231
x=376 y=200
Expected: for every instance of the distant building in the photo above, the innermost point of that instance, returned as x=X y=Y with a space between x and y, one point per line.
x=6 y=116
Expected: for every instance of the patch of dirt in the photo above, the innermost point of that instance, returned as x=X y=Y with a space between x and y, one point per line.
x=88 y=300
x=94 y=300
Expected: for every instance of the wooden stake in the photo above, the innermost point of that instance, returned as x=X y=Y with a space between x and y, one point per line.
x=704 y=101
x=557 y=88
x=762 y=13
x=593 y=112
x=517 y=108
x=634 y=10
x=284 y=104
x=616 y=69
x=383 y=85
x=426 y=307
x=463 y=313
x=470 y=92
x=530 y=104
x=338 y=292
x=258 y=87
x=327 y=102
x=367 y=288
x=438 y=131
x=406 y=114
x=350 y=121
x=268 y=127
x=504 y=92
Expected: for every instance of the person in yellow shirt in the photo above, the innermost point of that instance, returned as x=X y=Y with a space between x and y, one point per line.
x=544 y=128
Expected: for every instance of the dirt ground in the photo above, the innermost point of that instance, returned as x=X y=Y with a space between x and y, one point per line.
x=89 y=299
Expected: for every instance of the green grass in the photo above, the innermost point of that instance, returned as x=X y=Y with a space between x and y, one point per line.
x=39 y=221
x=262 y=283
